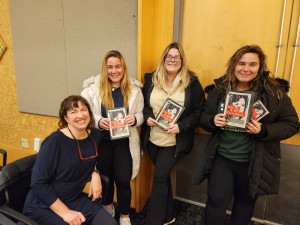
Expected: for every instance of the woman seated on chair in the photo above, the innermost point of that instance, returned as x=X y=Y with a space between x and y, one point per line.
x=64 y=165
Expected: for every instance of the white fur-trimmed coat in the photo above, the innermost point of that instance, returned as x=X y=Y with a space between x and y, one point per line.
x=136 y=104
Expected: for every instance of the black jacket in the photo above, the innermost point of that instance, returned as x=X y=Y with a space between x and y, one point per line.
x=193 y=102
x=264 y=152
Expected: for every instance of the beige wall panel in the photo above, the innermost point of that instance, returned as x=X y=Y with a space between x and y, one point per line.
x=59 y=43
x=39 y=52
x=92 y=28
x=214 y=30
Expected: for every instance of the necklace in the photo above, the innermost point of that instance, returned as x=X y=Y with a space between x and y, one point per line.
x=79 y=151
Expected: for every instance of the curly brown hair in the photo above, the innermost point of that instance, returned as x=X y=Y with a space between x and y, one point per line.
x=263 y=82
x=69 y=103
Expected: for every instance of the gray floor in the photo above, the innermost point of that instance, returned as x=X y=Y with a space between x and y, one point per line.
x=186 y=214
x=283 y=208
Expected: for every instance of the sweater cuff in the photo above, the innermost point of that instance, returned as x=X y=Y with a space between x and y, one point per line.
x=135 y=121
x=263 y=132
x=99 y=124
x=211 y=122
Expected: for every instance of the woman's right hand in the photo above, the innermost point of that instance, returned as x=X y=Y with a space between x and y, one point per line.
x=151 y=122
x=74 y=218
x=104 y=123
x=95 y=186
x=220 y=120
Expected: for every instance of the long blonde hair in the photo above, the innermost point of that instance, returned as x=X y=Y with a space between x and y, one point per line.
x=160 y=74
x=106 y=86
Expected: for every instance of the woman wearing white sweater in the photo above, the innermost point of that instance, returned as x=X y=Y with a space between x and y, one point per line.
x=118 y=159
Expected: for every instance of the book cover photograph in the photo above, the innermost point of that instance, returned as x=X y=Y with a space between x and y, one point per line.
x=117 y=127
x=169 y=113
x=259 y=111
x=238 y=108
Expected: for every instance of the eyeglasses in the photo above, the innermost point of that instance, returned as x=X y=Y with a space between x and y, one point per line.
x=176 y=58
x=79 y=151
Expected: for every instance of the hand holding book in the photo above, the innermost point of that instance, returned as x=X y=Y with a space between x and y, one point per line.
x=168 y=116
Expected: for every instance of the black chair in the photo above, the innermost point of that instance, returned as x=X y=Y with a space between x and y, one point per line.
x=15 y=184
x=4 y=158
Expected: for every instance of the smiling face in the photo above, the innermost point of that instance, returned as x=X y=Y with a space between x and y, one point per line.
x=114 y=71
x=78 y=118
x=246 y=70
x=172 y=61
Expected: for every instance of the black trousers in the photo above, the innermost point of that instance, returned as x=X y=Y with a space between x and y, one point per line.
x=115 y=161
x=94 y=213
x=161 y=207
x=228 y=178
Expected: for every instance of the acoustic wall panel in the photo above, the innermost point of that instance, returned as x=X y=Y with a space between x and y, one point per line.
x=39 y=55
x=59 y=43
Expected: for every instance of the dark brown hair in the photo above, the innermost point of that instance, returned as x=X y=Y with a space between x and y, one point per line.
x=261 y=83
x=69 y=103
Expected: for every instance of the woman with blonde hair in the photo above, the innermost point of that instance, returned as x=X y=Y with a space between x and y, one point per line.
x=173 y=80
x=118 y=159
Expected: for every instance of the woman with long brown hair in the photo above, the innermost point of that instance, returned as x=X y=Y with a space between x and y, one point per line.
x=118 y=159
x=243 y=165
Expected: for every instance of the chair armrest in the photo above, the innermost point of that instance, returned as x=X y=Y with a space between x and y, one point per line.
x=4 y=153
x=104 y=179
x=4 y=209
x=105 y=184
x=5 y=220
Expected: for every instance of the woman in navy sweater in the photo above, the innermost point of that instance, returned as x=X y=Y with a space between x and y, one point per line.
x=64 y=165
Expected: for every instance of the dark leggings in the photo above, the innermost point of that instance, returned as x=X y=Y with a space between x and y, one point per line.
x=227 y=179
x=161 y=207
x=115 y=162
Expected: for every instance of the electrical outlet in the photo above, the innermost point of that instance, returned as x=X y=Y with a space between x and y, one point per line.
x=37 y=144
x=25 y=143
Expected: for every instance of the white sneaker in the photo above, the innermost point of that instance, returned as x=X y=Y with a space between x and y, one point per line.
x=172 y=221
x=125 y=221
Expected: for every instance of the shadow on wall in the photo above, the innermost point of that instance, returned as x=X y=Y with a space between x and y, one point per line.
x=282 y=208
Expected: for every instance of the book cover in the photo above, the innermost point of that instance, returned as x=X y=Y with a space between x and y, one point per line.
x=117 y=127
x=238 y=108
x=169 y=113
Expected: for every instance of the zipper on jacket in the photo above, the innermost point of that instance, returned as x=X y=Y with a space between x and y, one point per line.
x=251 y=149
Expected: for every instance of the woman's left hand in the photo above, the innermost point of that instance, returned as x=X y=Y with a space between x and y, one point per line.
x=173 y=129
x=129 y=120
x=95 y=186
x=254 y=127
